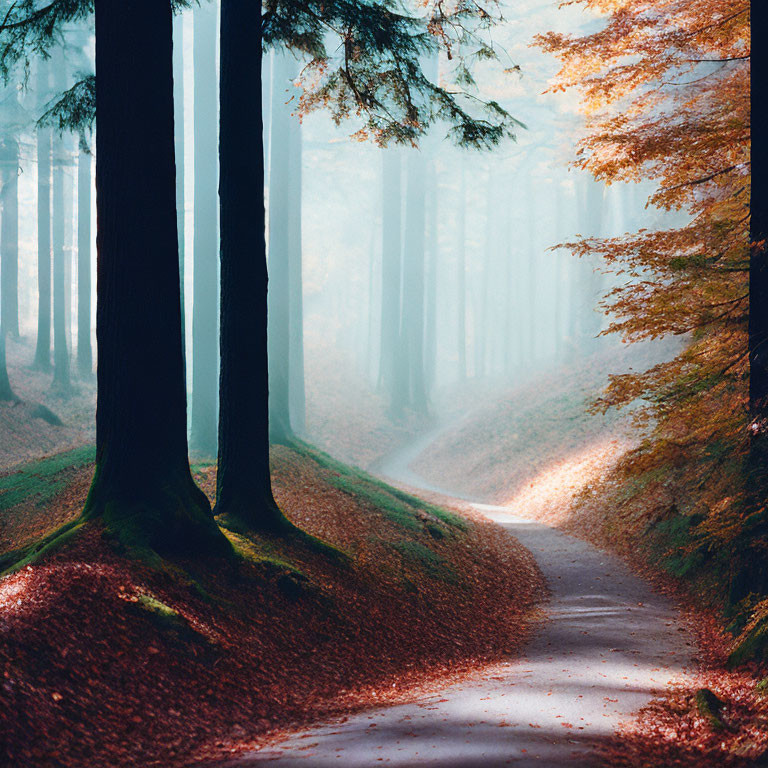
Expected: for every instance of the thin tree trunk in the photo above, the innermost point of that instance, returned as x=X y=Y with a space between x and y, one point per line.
x=142 y=487
x=6 y=393
x=84 y=353
x=430 y=321
x=532 y=315
x=206 y=244
x=295 y=283
x=280 y=214
x=9 y=235
x=482 y=326
x=594 y=205
x=61 y=372
x=391 y=256
x=413 y=281
x=42 y=360
x=243 y=486
x=461 y=277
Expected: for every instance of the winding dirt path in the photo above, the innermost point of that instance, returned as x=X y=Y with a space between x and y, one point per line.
x=608 y=644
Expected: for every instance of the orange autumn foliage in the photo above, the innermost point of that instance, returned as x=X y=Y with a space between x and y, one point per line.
x=665 y=93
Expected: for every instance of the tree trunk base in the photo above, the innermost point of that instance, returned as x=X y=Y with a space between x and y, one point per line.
x=173 y=518
x=267 y=520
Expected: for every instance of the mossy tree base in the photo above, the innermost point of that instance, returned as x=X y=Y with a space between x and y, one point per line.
x=267 y=520
x=173 y=518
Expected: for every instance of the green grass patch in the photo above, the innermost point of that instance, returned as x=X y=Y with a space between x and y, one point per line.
x=416 y=554
x=399 y=507
x=19 y=558
x=42 y=480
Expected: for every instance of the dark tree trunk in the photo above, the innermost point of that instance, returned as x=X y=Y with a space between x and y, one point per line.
x=280 y=215
x=758 y=263
x=42 y=360
x=9 y=235
x=296 y=283
x=391 y=256
x=206 y=244
x=61 y=372
x=243 y=488
x=413 y=281
x=142 y=488
x=178 y=123
x=84 y=353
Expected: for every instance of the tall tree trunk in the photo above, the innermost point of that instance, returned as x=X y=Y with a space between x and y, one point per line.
x=296 y=283
x=266 y=111
x=413 y=280
x=758 y=234
x=84 y=353
x=532 y=260
x=179 y=145
x=61 y=373
x=42 y=360
x=142 y=487
x=9 y=235
x=433 y=270
x=6 y=393
x=243 y=486
x=592 y=225
x=280 y=214
x=483 y=325
x=391 y=257
x=206 y=244
x=461 y=275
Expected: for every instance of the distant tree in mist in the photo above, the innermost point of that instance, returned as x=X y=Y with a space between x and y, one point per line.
x=6 y=393
x=42 y=361
x=84 y=352
x=205 y=354
x=61 y=201
x=284 y=262
x=12 y=119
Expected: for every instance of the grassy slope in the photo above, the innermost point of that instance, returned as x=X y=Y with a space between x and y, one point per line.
x=108 y=661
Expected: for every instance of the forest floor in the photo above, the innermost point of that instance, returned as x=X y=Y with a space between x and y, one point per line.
x=25 y=427
x=538 y=452
x=108 y=661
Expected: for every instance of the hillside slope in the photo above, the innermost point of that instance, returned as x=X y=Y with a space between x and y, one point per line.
x=193 y=660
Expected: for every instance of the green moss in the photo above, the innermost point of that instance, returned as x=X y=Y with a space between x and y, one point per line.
x=173 y=626
x=399 y=507
x=20 y=558
x=258 y=552
x=416 y=554
x=709 y=707
x=752 y=645
x=44 y=479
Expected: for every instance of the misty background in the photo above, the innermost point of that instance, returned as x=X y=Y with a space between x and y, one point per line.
x=418 y=282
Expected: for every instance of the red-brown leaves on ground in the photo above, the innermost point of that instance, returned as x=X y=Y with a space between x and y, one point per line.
x=109 y=662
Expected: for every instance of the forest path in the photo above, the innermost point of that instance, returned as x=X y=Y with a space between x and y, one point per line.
x=608 y=643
